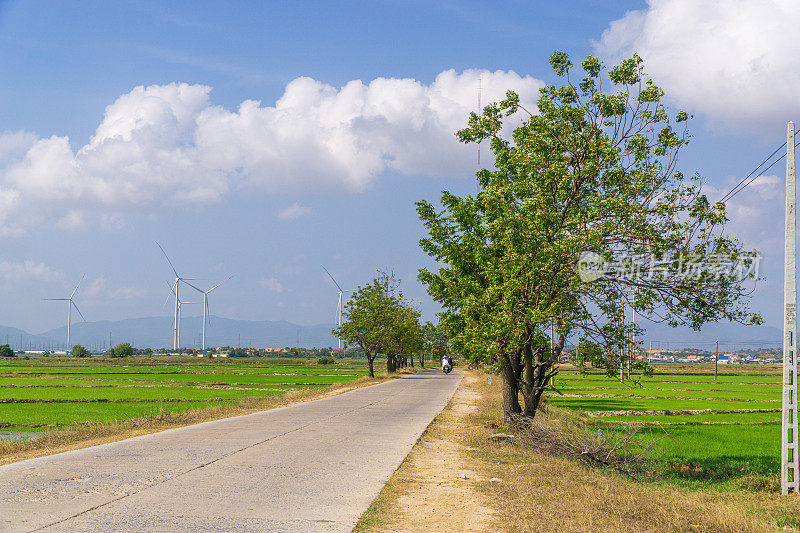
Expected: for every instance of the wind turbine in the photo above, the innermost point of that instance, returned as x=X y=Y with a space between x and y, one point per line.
x=175 y=289
x=70 y=305
x=339 y=305
x=180 y=307
x=205 y=304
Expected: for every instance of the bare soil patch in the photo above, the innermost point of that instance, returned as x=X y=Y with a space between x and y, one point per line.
x=437 y=486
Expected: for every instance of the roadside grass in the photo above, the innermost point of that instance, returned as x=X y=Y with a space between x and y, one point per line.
x=541 y=492
x=531 y=491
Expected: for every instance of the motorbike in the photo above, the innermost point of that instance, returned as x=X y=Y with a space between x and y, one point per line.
x=447 y=368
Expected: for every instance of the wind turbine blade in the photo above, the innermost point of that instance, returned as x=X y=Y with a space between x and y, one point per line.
x=168 y=261
x=78 y=310
x=56 y=299
x=218 y=284
x=329 y=275
x=171 y=292
x=76 y=286
x=208 y=312
x=192 y=286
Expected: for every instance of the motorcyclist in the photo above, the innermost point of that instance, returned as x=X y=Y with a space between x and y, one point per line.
x=447 y=362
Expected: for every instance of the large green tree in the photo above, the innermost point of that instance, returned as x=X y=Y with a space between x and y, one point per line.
x=589 y=176
x=380 y=320
x=367 y=318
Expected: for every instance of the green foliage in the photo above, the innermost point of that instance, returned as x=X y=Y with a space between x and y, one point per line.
x=326 y=361
x=379 y=319
x=6 y=351
x=237 y=352
x=80 y=351
x=593 y=170
x=121 y=350
x=435 y=343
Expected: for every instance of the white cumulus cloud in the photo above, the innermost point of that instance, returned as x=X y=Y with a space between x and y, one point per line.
x=737 y=62
x=29 y=270
x=127 y=293
x=271 y=284
x=293 y=212
x=169 y=144
x=99 y=289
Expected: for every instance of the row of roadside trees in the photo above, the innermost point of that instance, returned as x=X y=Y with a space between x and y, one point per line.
x=381 y=321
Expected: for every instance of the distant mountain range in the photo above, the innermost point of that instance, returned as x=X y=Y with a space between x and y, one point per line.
x=730 y=336
x=156 y=332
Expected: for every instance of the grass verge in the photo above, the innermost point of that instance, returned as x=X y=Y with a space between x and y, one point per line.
x=536 y=491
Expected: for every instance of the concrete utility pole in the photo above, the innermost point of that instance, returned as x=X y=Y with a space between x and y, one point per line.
x=716 y=360
x=790 y=476
x=634 y=351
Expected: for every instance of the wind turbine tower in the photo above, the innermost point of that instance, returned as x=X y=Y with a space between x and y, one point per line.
x=175 y=289
x=205 y=305
x=70 y=305
x=181 y=303
x=340 y=304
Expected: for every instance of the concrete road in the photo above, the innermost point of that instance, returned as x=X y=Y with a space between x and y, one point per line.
x=314 y=466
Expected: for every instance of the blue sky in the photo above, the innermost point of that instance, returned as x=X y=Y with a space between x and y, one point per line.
x=273 y=191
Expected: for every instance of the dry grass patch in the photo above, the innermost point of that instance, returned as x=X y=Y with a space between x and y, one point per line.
x=541 y=492
x=94 y=433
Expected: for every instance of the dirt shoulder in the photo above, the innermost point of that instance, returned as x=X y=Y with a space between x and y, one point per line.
x=437 y=486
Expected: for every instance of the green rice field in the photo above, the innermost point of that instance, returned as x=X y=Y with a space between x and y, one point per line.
x=41 y=394
x=707 y=430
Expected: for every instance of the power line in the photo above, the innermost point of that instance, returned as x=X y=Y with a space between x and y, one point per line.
x=755 y=174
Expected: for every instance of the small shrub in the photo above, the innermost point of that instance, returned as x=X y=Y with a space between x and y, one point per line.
x=121 y=350
x=326 y=361
x=80 y=351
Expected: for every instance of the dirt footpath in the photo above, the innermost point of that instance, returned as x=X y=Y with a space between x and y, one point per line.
x=435 y=487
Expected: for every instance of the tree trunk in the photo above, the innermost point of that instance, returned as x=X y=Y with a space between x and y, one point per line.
x=511 y=407
x=538 y=364
x=370 y=370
